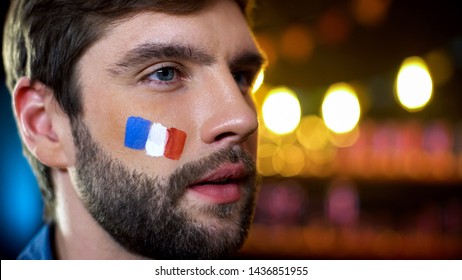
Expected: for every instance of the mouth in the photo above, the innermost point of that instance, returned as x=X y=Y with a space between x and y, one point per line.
x=222 y=185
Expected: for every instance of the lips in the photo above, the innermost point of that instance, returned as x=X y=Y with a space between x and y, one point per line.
x=222 y=185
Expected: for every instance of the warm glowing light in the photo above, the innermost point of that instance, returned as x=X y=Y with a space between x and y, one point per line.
x=345 y=139
x=370 y=12
x=265 y=159
x=340 y=108
x=312 y=133
x=414 y=84
x=281 y=110
x=297 y=43
x=258 y=82
x=288 y=160
x=324 y=156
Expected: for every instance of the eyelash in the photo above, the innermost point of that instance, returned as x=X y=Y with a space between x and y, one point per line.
x=168 y=85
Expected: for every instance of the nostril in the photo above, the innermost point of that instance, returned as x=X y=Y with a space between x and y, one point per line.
x=224 y=135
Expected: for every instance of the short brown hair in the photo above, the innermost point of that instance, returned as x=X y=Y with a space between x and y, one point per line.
x=44 y=39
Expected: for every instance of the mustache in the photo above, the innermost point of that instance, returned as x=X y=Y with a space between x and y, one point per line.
x=193 y=171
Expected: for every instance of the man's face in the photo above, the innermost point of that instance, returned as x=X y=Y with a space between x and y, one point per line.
x=192 y=73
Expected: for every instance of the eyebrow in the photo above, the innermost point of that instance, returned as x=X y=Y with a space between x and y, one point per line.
x=248 y=58
x=138 y=56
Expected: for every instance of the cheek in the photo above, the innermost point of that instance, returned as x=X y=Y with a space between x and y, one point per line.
x=145 y=146
x=120 y=120
x=109 y=133
x=105 y=117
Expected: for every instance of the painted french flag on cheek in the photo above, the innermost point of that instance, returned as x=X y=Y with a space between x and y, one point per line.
x=154 y=138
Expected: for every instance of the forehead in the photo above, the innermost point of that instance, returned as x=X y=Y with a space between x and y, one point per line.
x=220 y=28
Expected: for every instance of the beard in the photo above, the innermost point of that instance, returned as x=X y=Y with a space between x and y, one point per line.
x=149 y=216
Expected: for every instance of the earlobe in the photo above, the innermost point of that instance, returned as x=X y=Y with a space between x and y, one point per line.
x=32 y=102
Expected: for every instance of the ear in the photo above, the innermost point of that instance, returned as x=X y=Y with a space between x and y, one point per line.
x=33 y=105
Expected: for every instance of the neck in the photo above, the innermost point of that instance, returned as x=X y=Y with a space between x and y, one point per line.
x=77 y=234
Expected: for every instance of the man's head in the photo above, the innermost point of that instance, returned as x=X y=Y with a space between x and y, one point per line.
x=95 y=77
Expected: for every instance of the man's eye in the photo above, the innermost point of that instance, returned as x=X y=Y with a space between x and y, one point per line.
x=243 y=79
x=165 y=74
x=164 y=77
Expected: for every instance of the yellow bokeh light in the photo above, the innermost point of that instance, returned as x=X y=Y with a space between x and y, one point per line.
x=312 y=133
x=265 y=159
x=288 y=160
x=345 y=139
x=340 y=108
x=414 y=84
x=259 y=81
x=324 y=156
x=281 y=111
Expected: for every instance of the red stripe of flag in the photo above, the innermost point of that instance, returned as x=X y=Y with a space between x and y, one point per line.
x=175 y=143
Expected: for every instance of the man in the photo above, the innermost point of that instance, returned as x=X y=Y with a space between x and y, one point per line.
x=137 y=119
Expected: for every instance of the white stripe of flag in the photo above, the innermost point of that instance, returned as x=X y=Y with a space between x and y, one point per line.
x=155 y=145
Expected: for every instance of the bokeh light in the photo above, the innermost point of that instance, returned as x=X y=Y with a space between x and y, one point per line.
x=297 y=43
x=340 y=108
x=288 y=161
x=258 y=81
x=347 y=139
x=343 y=203
x=370 y=12
x=414 y=84
x=312 y=133
x=281 y=110
x=265 y=159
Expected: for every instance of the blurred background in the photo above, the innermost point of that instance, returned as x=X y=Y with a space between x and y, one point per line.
x=360 y=135
x=20 y=202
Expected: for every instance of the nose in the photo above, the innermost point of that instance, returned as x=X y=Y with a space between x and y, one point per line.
x=230 y=117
